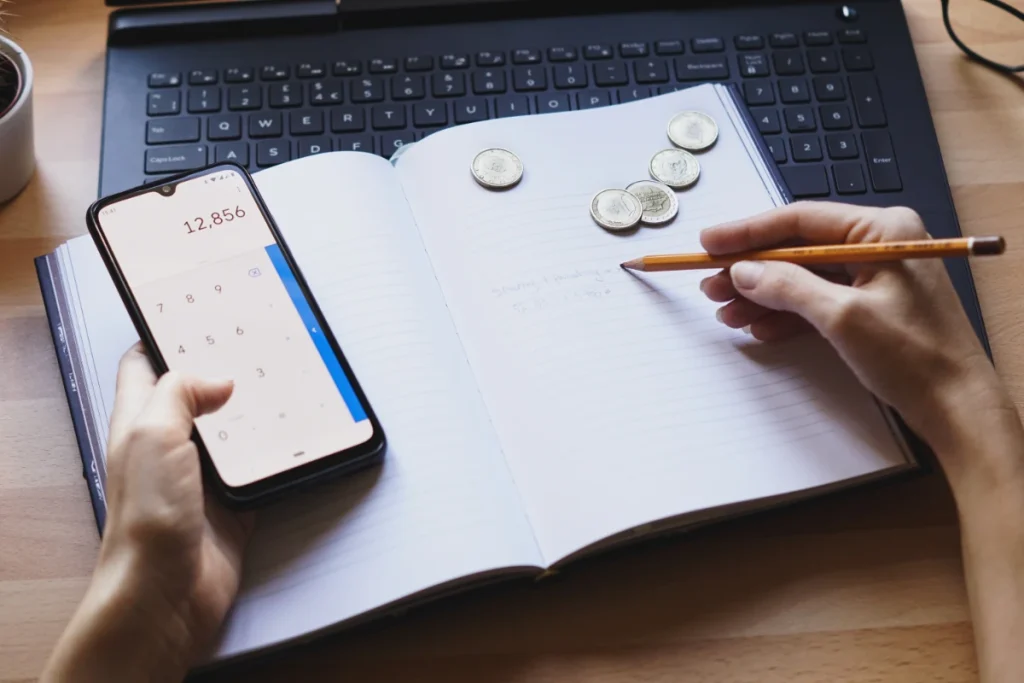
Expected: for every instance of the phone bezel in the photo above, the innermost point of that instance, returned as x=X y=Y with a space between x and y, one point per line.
x=264 y=490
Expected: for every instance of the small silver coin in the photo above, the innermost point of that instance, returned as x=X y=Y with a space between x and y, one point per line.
x=402 y=149
x=692 y=130
x=497 y=168
x=659 y=201
x=676 y=168
x=616 y=209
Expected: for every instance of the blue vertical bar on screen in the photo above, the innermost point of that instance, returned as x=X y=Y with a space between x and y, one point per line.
x=315 y=333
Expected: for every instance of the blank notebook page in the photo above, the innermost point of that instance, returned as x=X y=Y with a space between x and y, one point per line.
x=618 y=399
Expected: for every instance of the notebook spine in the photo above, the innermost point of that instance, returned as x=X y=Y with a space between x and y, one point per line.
x=90 y=468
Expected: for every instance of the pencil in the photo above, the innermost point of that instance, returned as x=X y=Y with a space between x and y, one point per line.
x=828 y=253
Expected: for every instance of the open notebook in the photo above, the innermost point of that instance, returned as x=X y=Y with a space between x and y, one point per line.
x=540 y=403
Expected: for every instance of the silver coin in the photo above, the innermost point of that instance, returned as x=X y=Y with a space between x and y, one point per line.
x=677 y=168
x=659 y=202
x=616 y=209
x=402 y=149
x=497 y=168
x=692 y=130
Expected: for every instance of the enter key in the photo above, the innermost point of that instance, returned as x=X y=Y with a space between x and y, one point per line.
x=885 y=174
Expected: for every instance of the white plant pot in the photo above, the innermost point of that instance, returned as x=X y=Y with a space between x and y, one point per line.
x=17 y=149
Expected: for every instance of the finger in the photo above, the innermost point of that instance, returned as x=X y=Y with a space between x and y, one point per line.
x=719 y=287
x=815 y=222
x=740 y=313
x=135 y=382
x=178 y=400
x=778 y=326
x=788 y=287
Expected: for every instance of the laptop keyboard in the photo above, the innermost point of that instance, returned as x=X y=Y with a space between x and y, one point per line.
x=813 y=96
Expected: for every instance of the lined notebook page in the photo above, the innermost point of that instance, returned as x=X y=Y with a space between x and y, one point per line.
x=443 y=506
x=619 y=400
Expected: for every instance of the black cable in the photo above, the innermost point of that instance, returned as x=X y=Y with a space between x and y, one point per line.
x=1005 y=68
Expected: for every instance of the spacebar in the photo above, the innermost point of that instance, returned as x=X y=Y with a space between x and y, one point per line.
x=175 y=159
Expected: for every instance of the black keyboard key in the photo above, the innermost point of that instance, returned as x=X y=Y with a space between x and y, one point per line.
x=407 y=87
x=592 y=99
x=388 y=116
x=822 y=61
x=237 y=152
x=275 y=72
x=244 y=97
x=553 y=102
x=422 y=63
x=448 y=84
x=326 y=92
x=841 y=146
x=651 y=71
x=669 y=47
x=788 y=62
x=707 y=44
x=835 y=117
x=674 y=87
x=390 y=142
x=280 y=95
x=273 y=152
x=885 y=174
x=829 y=88
x=238 y=74
x=202 y=77
x=633 y=49
x=633 y=94
x=355 y=143
x=857 y=59
x=512 y=105
x=867 y=101
x=805 y=148
x=454 y=61
x=598 y=51
x=490 y=81
x=471 y=109
x=163 y=103
x=812 y=38
x=702 y=68
x=753 y=64
x=800 y=119
x=306 y=122
x=849 y=178
x=758 y=92
x=348 y=67
x=178 y=129
x=310 y=70
x=490 y=58
x=767 y=121
x=525 y=56
x=783 y=40
x=561 y=54
x=265 y=125
x=613 y=73
x=526 y=78
x=368 y=89
x=379 y=65
x=853 y=35
x=163 y=79
x=175 y=159
x=778 y=149
x=311 y=146
x=748 y=42
x=570 y=76
x=794 y=90
x=428 y=114
x=806 y=181
x=348 y=120
x=224 y=127
x=203 y=100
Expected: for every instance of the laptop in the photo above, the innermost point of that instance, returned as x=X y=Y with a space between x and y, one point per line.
x=834 y=88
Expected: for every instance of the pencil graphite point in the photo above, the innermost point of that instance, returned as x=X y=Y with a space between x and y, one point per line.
x=635 y=264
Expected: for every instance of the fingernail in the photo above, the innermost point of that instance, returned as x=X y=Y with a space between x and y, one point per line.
x=746 y=329
x=719 y=316
x=702 y=283
x=745 y=274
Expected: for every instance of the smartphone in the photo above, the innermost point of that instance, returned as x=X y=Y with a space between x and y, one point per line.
x=214 y=291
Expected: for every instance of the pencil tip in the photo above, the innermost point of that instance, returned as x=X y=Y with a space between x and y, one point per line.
x=635 y=264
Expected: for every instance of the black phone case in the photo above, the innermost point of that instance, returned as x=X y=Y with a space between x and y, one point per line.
x=272 y=488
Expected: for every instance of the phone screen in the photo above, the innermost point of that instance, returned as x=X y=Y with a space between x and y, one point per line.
x=221 y=301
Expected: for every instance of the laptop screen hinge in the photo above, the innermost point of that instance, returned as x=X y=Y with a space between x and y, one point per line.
x=221 y=20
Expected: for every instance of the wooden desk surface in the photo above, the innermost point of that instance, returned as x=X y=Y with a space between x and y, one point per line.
x=864 y=586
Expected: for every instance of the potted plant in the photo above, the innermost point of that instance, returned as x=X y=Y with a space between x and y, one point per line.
x=17 y=150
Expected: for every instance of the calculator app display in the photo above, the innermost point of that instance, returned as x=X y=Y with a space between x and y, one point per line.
x=221 y=302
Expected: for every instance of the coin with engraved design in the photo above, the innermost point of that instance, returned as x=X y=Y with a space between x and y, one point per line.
x=497 y=169
x=692 y=130
x=659 y=201
x=676 y=168
x=615 y=209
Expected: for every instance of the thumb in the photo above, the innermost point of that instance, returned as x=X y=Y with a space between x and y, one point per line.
x=179 y=399
x=785 y=286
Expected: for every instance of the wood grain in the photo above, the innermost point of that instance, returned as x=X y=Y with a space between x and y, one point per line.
x=863 y=586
